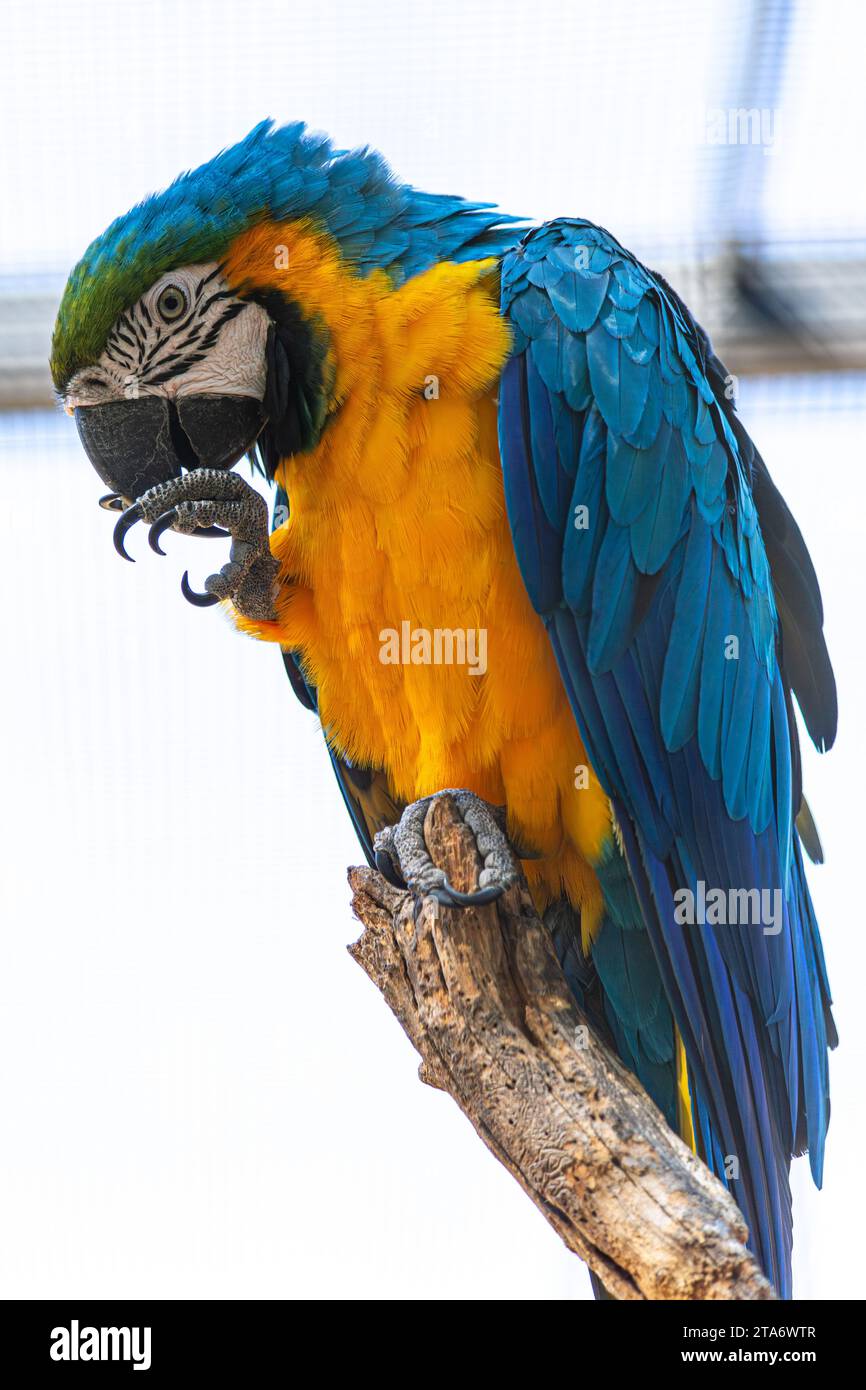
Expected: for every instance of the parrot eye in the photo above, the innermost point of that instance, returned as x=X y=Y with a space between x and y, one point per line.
x=172 y=304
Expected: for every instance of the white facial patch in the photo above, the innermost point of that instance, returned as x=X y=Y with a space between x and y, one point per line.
x=188 y=335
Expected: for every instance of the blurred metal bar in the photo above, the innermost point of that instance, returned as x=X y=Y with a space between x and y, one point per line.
x=28 y=305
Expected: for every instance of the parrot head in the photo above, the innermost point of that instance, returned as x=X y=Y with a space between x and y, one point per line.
x=179 y=383
x=182 y=343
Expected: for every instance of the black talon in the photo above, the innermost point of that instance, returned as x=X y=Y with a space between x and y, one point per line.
x=387 y=868
x=212 y=531
x=452 y=897
x=112 y=502
x=197 y=600
x=161 y=524
x=127 y=519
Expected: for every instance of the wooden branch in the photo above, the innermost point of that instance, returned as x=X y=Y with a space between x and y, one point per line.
x=482 y=998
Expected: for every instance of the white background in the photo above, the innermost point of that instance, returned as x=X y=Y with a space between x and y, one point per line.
x=184 y=1110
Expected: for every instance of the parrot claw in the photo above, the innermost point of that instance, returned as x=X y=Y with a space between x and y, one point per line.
x=196 y=599
x=161 y=524
x=213 y=502
x=452 y=897
x=402 y=848
x=125 y=521
x=387 y=868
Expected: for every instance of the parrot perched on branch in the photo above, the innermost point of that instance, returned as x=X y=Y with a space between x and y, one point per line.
x=512 y=443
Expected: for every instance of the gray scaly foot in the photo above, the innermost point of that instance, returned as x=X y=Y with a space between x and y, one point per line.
x=403 y=847
x=209 y=501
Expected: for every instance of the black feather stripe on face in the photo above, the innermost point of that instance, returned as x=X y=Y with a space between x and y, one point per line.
x=298 y=383
x=181 y=360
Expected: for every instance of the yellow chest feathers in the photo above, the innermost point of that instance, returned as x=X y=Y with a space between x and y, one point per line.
x=399 y=582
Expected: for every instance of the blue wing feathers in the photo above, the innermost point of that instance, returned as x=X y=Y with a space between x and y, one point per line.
x=671 y=627
x=537 y=538
x=576 y=299
x=613 y=597
x=681 y=680
x=583 y=542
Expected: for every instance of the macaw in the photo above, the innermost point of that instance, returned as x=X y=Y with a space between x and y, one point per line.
x=516 y=439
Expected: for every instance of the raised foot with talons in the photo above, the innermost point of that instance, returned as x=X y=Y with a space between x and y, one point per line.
x=212 y=502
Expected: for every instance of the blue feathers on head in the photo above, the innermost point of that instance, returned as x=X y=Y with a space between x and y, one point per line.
x=278 y=173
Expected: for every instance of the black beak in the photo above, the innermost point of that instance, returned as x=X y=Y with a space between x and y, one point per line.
x=135 y=444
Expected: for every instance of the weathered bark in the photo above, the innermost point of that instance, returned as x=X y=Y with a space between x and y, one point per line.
x=482 y=998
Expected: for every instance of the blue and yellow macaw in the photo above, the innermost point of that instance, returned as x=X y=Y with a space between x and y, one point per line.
x=515 y=440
